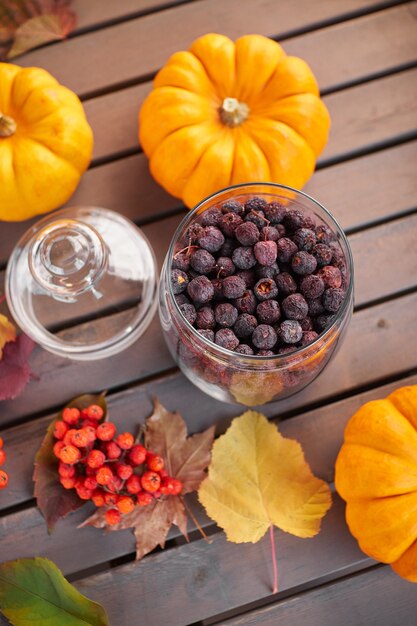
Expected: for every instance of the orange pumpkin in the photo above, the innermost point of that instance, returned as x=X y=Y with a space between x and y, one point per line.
x=225 y=113
x=376 y=473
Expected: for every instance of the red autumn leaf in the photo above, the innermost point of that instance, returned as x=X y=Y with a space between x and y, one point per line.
x=186 y=458
x=14 y=368
x=52 y=499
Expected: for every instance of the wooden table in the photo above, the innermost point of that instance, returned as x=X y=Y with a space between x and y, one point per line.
x=363 y=53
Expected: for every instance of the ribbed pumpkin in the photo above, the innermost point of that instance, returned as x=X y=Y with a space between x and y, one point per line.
x=376 y=473
x=225 y=113
x=45 y=142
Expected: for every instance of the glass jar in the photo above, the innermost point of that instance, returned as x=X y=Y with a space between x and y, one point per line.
x=252 y=380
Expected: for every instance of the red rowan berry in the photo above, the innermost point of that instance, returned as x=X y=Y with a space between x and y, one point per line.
x=124 y=471
x=171 y=486
x=137 y=455
x=71 y=415
x=154 y=462
x=95 y=459
x=111 y=498
x=133 y=484
x=70 y=454
x=104 y=476
x=58 y=447
x=68 y=436
x=98 y=497
x=84 y=493
x=1 y=442
x=144 y=498
x=60 y=429
x=163 y=473
x=125 y=441
x=113 y=451
x=4 y=479
x=106 y=431
x=125 y=504
x=117 y=484
x=150 y=481
x=157 y=494
x=84 y=414
x=80 y=438
x=90 y=482
x=90 y=471
x=94 y=412
x=87 y=422
x=90 y=432
x=176 y=486
x=2 y=456
x=67 y=483
x=113 y=517
x=66 y=471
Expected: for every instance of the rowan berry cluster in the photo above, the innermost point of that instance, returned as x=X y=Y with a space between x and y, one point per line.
x=4 y=477
x=108 y=468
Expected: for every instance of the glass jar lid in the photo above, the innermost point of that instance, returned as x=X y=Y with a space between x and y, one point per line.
x=82 y=283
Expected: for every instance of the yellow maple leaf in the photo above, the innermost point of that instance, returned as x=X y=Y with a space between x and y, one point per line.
x=258 y=478
x=7 y=332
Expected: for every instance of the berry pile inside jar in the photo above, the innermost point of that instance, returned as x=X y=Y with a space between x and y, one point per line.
x=4 y=477
x=108 y=468
x=257 y=278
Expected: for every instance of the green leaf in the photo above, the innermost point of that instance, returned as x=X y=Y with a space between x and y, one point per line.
x=55 y=502
x=33 y=592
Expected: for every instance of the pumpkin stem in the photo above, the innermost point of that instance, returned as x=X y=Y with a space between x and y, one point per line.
x=233 y=113
x=7 y=126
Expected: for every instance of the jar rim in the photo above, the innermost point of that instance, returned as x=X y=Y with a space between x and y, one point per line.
x=298 y=353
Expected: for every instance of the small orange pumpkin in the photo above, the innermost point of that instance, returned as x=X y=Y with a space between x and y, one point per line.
x=376 y=473
x=225 y=113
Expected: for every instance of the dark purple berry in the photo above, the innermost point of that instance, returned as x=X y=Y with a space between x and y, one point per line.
x=179 y=281
x=311 y=286
x=264 y=337
x=324 y=234
x=202 y=261
x=308 y=337
x=285 y=249
x=285 y=283
x=228 y=247
x=189 y=312
x=255 y=204
x=243 y=348
x=225 y=314
x=268 y=312
x=304 y=239
x=247 y=234
x=205 y=318
x=322 y=322
x=275 y=212
x=295 y=307
x=270 y=233
x=211 y=239
x=207 y=334
x=182 y=299
x=332 y=299
x=233 y=206
x=233 y=287
x=306 y=324
x=309 y=222
x=225 y=266
x=257 y=217
x=193 y=232
x=247 y=303
x=244 y=258
x=331 y=276
x=286 y=349
x=249 y=277
x=315 y=307
x=322 y=253
x=303 y=263
x=200 y=290
x=211 y=217
x=229 y=223
x=226 y=338
x=218 y=288
x=265 y=252
x=290 y=331
x=293 y=220
x=267 y=271
x=245 y=325
x=265 y=353
x=265 y=289
x=181 y=261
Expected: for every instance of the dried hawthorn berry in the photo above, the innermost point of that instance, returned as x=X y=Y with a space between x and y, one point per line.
x=332 y=299
x=258 y=218
x=315 y=307
x=265 y=252
x=179 y=281
x=233 y=287
x=247 y=303
x=322 y=322
x=106 y=431
x=181 y=299
x=225 y=315
x=255 y=204
x=267 y=271
x=245 y=325
x=200 y=290
x=189 y=312
x=181 y=261
x=268 y=312
x=207 y=334
x=303 y=263
x=228 y=247
x=233 y=206
x=322 y=253
x=137 y=454
x=324 y=234
x=304 y=239
x=331 y=276
x=308 y=337
x=244 y=258
x=265 y=353
x=312 y=286
x=290 y=331
x=113 y=517
x=217 y=284
x=243 y=348
x=247 y=233
x=265 y=289
x=285 y=283
x=270 y=233
x=205 y=318
x=229 y=223
x=248 y=276
x=225 y=267
x=193 y=232
x=264 y=337
x=150 y=481
x=202 y=262
x=293 y=220
x=226 y=338
x=285 y=249
x=211 y=217
x=275 y=212
x=306 y=324
x=211 y=238
x=295 y=307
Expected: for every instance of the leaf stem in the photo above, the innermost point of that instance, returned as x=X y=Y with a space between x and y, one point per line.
x=274 y=558
x=193 y=517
